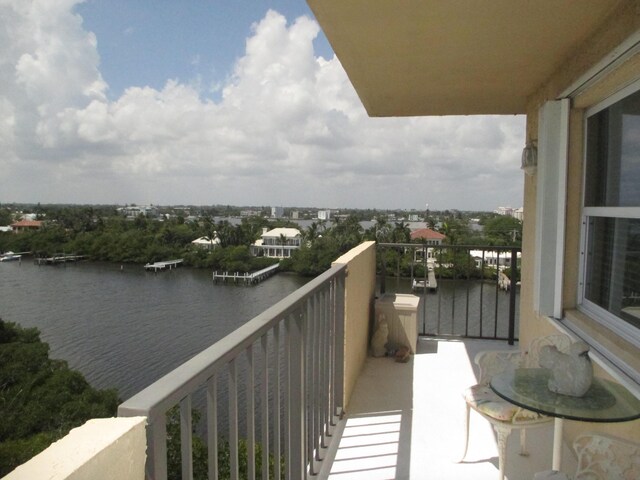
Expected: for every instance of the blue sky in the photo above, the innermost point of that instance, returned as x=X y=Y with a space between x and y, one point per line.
x=145 y=43
x=220 y=102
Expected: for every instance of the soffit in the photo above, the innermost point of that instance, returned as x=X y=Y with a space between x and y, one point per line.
x=456 y=57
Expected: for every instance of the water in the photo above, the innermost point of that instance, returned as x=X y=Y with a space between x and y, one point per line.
x=125 y=329
x=472 y=308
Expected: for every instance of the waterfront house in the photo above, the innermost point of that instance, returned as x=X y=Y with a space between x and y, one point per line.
x=427 y=236
x=573 y=68
x=206 y=242
x=492 y=258
x=277 y=243
x=26 y=226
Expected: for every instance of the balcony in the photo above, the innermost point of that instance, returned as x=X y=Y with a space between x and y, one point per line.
x=294 y=393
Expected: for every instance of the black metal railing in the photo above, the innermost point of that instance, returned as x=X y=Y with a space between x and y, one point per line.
x=466 y=291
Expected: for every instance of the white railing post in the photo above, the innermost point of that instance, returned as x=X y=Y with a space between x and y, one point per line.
x=156 y=468
x=186 y=442
x=338 y=341
x=310 y=320
x=297 y=467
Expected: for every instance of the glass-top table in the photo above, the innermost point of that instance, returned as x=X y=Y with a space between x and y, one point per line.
x=605 y=401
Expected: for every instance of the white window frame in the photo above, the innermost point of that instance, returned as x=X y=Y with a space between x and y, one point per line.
x=601 y=315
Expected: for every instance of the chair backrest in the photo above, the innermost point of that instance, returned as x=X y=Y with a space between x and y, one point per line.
x=601 y=457
x=532 y=355
x=493 y=362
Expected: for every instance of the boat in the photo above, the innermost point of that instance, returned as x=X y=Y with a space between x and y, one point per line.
x=8 y=256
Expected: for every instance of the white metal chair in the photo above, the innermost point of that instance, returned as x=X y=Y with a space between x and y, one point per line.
x=601 y=457
x=503 y=415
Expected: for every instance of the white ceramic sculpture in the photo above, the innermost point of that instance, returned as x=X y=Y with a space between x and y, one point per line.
x=380 y=338
x=571 y=373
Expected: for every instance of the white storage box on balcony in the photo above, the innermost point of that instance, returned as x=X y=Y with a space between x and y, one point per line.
x=401 y=313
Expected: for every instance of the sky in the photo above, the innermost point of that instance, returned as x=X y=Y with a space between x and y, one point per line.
x=221 y=102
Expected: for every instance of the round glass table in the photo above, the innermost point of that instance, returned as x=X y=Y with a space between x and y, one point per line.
x=605 y=401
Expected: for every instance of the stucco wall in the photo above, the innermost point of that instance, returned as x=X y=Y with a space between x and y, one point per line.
x=360 y=290
x=101 y=449
x=624 y=22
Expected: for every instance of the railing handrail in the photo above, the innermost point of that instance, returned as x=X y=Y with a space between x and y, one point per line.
x=446 y=245
x=161 y=395
x=509 y=252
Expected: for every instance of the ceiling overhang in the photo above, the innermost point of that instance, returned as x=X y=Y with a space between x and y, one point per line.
x=455 y=57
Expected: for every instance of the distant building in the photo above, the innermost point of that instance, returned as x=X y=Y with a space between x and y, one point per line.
x=324 y=214
x=519 y=214
x=134 y=211
x=26 y=226
x=510 y=212
x=430 y=237
x=250 y=213
x=295 y=215
x=497 y=260
x=414 y=217
x=277 y=243
x=277 y=212
x=206 y=243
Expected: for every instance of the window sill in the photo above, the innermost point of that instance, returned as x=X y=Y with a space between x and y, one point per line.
x=617 y=356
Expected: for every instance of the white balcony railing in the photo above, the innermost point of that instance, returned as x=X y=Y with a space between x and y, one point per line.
x=282 y=375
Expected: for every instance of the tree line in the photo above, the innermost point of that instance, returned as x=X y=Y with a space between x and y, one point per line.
x=103 y=235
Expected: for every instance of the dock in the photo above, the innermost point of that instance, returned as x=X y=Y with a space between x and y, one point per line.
x=245 y=278
x=430 y=284
x=59 y=258
x=168 y=264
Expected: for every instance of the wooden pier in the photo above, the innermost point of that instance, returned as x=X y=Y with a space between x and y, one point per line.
x=431 y=283
x=168 y=264
x=59 y=258
x=245 y=278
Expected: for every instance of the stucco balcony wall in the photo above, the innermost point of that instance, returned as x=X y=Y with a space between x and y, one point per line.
x=360 y=288
x=102 y=448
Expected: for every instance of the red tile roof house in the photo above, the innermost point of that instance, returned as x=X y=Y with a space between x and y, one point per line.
x=430 y=236
x=26 y=225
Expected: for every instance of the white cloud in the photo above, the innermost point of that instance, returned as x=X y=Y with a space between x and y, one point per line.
x=288 y=129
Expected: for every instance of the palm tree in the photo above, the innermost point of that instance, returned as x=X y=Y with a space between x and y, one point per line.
x=382 y=229
x=401 y=233
x=311 y=233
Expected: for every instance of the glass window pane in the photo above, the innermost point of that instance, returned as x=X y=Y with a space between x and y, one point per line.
x=613 y=266
x=613 y=155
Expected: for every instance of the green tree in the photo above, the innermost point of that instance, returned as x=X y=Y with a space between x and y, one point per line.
x=503 y=230
x=401 y=233
x=40 y=399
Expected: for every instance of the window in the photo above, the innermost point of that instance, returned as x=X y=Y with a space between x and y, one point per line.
x=611 y=263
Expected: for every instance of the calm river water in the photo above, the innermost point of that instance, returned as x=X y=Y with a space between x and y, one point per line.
x=125 y=329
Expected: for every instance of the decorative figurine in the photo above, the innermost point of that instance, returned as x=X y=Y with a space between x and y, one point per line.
x=572 y=373
x=380 y=338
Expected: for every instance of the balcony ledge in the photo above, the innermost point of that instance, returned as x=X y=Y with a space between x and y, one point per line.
x=104 y=448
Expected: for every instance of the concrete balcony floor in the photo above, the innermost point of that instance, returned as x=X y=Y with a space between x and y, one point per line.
x=406 y=421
